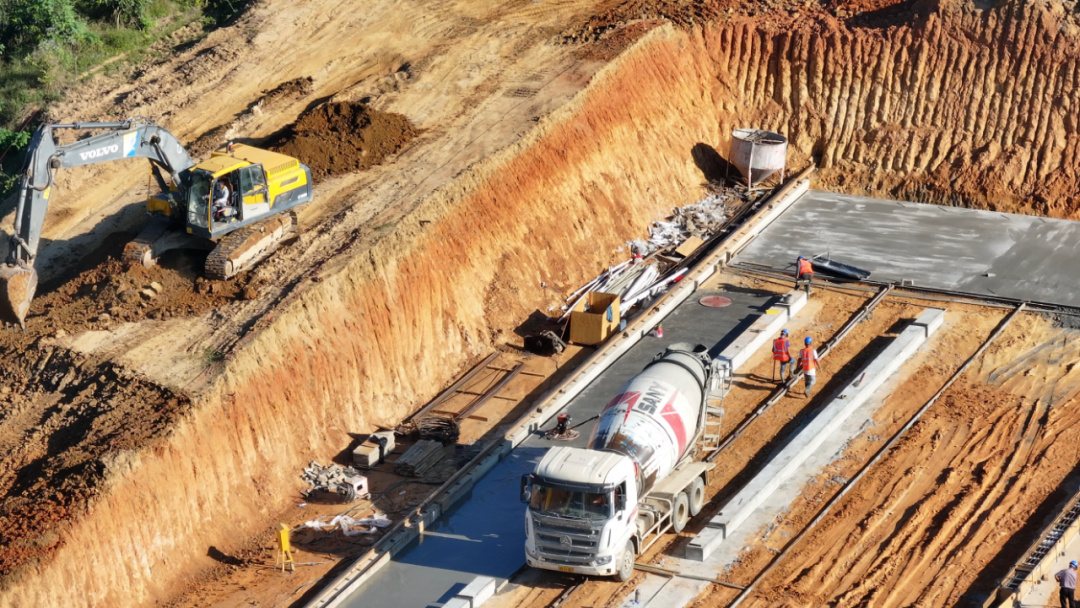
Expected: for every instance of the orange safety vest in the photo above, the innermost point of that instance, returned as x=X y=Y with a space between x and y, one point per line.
x=805 y=267
x=781 y=349
x=809 y=359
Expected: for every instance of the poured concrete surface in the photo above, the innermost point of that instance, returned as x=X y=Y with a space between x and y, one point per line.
x=485 y=534
x=1027 y=257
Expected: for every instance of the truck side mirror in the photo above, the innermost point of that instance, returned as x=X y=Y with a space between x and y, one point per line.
x=620 y=502
x=526 y=490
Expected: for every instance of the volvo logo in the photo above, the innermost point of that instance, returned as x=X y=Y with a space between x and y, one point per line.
x=565 y=541
x=113 y=149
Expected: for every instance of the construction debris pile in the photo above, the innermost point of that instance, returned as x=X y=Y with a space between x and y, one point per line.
x=420 y=458
x=438 y=427
x=346 y=482
x=655 y=265
x=702 y=219
x=348 y=525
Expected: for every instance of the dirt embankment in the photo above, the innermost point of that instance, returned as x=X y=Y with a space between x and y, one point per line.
x=393 y=316
x=64 y=416
x=66 y=421
x=937 y=102
x=344 y=137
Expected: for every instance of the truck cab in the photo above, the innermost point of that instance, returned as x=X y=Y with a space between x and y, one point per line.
x=581 y=509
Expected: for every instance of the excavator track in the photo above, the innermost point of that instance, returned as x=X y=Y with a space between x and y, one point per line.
x=140 y=250
x=249 y=245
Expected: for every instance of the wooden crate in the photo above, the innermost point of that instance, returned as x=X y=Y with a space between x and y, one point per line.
x=594 y=318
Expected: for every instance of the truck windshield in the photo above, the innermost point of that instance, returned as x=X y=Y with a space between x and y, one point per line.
x=570 y=503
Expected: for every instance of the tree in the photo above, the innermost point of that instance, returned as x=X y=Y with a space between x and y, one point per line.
x=128 y=12
x=31 y=22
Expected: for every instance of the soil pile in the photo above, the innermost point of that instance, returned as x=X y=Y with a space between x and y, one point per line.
x=343 y=137
x=116 y=293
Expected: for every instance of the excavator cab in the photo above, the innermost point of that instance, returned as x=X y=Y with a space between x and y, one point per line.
x=198 y=203
x=212 y=215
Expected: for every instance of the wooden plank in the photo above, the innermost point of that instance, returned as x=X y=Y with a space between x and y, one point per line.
x=523 y=372
x=476 y=394
x=689 y=246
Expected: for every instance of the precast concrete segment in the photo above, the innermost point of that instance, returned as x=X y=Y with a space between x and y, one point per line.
x=810 y=437
x=967 y=250
x=765 y=328
x=347 y=584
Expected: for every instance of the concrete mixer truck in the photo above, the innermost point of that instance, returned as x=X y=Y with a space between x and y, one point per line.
x=593 y=510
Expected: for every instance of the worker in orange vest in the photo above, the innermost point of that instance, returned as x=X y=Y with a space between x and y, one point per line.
x=804 y=273
x=781 y=351
x=808 y=361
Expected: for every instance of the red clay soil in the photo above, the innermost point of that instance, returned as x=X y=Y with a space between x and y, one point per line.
x=343 y=137
x=689 y=13
x=64 y=416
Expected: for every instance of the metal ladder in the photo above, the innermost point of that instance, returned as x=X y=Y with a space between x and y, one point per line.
x=1045 y=544
x=710 y=437
x=719 y=385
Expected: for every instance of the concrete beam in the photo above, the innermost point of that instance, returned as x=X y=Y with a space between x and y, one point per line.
x=810 y=437
x=474 y=594
x=766 y=326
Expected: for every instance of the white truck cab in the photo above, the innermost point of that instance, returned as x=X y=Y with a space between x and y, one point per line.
x=581 y=503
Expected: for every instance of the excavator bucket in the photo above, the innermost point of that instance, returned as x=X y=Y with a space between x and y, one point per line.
x=17 y=286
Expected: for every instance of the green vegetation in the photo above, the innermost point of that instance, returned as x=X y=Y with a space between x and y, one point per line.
x=47 y=46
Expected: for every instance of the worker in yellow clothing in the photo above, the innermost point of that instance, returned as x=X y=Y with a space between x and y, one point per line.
x=808 y=361
x=804 y=273
x=781 y=351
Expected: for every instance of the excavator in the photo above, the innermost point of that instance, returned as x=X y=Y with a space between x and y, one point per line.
x=239 y=204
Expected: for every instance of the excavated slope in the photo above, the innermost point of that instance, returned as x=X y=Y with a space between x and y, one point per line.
x=396 y=312
x=965 y=106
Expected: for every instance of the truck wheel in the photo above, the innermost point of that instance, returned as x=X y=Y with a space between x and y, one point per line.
x=626 y=563
x=680 y=514
x=697 y=496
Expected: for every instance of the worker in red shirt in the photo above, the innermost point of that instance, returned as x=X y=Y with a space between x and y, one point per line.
x=781 y=351
x=808 y=361
x=804 y=273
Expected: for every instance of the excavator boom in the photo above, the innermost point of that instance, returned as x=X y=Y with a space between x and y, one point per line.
x=131 y=138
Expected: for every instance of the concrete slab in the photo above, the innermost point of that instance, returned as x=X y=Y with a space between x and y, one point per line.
x=978 y=252
x=810 y=438
x=765 y=328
